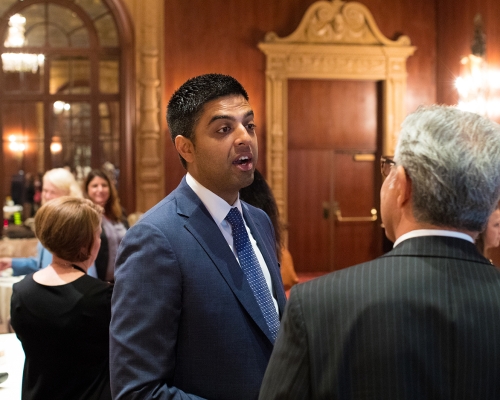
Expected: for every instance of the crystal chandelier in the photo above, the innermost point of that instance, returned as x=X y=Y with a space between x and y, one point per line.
x=19 y=62
x=479 y=84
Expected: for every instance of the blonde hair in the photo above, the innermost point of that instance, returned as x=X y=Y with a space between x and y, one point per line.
x=66 y=226
x=63 y=180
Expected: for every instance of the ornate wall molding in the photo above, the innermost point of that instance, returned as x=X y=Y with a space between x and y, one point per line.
x=334 y=40
x=338 y=22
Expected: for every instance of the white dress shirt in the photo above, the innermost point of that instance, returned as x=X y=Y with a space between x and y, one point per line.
x=218 y=209
x=432 y=232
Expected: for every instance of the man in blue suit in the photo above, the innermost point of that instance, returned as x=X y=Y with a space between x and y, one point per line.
x=420 y=322
x=186 y=322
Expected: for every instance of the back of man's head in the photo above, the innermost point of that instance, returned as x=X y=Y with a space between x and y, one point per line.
x=453 y=160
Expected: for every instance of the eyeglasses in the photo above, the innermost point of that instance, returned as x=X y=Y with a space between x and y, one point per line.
x=386 y=163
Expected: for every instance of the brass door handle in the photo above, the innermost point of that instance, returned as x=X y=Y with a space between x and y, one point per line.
x=340 y=218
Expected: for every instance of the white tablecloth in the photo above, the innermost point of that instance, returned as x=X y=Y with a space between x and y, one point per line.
x=12 y=362
x=6 y=283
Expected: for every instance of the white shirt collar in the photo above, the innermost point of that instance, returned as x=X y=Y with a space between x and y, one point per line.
x=432 y=232
x=216 y=206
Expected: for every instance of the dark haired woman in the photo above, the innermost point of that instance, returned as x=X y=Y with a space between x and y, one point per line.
x=100 y=189
x=490 y=237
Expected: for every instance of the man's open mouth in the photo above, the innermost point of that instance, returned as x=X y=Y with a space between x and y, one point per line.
x=243 y=160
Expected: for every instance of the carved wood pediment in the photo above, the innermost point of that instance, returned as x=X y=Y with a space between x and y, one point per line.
x=337 y=22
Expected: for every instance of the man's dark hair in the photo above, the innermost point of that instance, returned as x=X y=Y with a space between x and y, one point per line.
x=186 y=104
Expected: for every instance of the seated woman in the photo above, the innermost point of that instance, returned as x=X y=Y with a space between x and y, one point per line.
x=260 y=195
x=60 y=314
x=56 y=183
x=490 y=237
x=100 y=189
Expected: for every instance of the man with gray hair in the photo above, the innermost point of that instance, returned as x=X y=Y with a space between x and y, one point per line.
x=420 y=322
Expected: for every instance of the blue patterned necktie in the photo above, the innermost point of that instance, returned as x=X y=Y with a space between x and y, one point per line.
x=253 y=271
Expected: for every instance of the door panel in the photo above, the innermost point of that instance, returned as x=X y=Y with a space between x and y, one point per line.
x=332 y=114
x=323 y=183
x=309 y=186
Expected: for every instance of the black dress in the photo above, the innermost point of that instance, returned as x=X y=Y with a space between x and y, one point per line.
x=64 y=331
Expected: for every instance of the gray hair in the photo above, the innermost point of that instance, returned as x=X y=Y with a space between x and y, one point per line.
x=453 y=160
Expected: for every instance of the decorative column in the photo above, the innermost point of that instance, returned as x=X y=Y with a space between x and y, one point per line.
x=277 y=147
x=394 y=89
x=149 y=165
x=148 y=20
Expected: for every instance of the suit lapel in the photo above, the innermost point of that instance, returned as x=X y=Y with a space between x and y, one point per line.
x=204 y=229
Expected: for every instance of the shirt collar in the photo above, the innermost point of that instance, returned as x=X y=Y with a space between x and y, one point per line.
x=216 y=206
x=432 y=232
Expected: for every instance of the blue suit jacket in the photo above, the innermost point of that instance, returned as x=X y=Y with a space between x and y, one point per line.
x=420 y=322
x=185 y=323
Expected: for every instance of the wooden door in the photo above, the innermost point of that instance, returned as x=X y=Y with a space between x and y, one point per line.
x=333 y=174
x=355 y=209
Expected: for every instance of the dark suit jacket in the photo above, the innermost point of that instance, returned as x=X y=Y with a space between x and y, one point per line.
x=421 y=322
x=185 y=322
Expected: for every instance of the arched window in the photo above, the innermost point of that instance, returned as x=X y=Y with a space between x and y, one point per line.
x=62 y=87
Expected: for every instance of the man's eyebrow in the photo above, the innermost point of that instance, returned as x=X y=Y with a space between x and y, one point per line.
x=229 y=117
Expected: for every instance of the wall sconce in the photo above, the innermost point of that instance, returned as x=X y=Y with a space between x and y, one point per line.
x=15 y=144
x=478 y=83
x=17 y=62
x=56 y=145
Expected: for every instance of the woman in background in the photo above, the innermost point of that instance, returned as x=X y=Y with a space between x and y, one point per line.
x=490 y=237
x=260 y=195
x=61 y=315
x=56 y=183
x=100 y=189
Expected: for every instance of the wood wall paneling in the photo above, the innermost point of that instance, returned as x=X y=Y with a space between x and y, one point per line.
x=417 y=20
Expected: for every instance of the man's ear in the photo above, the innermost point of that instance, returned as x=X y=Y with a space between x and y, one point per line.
x=404 y=185
x=185 y=148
